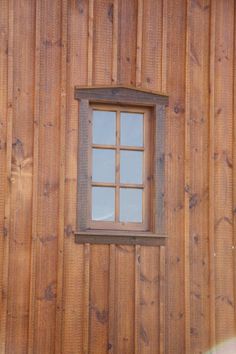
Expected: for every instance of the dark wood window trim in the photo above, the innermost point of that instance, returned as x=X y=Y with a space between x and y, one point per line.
x=120 y=95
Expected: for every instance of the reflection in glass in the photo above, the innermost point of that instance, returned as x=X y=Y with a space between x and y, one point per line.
x=104 y=127
x=131 y=166
x=103 y=204
x=131 y=205
x=131 y=129
x=103 y=165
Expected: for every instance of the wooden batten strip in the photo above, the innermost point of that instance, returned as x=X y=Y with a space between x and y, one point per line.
x=59 y=314
x=162 y=300
x=139 y=43
x=86 y=296
x=164 y=46
x=137 y=269
x=35 y=179
x=115 y=42
x=187 y=184
x=90 y=42
x=112 y=300
x=211 y=175
x=5 y=262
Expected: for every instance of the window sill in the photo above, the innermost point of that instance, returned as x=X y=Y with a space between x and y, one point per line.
x=119 y=237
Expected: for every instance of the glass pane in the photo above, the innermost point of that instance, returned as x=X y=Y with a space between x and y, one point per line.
x=131 y=205
x=131 y=166
x=103 y=203
x=131 y=129
x=104 y=127
x=103 y=165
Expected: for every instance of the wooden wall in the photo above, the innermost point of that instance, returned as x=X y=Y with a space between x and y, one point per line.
x=59 y=297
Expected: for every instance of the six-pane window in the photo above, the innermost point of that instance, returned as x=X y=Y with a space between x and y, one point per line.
x=120 y=172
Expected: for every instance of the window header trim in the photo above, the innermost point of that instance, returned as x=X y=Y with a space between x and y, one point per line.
x=121 y=95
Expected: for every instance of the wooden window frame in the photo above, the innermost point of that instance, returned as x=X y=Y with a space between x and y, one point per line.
x=127 y=97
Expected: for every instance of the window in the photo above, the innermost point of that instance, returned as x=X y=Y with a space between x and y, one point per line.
x=119 y=168
x=121 y=165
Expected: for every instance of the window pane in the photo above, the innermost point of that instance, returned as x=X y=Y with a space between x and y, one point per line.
x=104 y=127
x=103 y=165
x=103 y=203
x=131 y=129
x=131 y=166
x=131 y=205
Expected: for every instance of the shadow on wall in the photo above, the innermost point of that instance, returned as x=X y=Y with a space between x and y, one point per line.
x=227 y=347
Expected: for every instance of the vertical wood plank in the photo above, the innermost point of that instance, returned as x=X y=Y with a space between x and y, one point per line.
x=234 y=159
x=127 y=42
x=175 y=177
x=211 y=163
x=99 y=299
x=162 y=309
x=61 y=223
x=197 y=109
x=149 y=321
x=164 y=46
x=137 y=322
x=187 y=187
x=152 y=44
x=125 y=276
x=115 y=28
x=48 y=177
x=90 y=41
x=6 y=100
x=139 y=43
x=35 y=176
x=102 y=53
x=21 y=177
x=86 y=298
x=77 y=48
x=112 y=299
x=225 y=320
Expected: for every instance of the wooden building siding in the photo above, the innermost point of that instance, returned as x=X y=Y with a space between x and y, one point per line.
x=57 y=296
